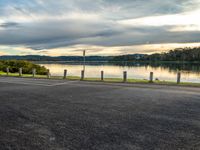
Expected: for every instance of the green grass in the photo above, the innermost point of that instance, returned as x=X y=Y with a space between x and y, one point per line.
x=24 y=75
x=73 y=78
x=110 y=80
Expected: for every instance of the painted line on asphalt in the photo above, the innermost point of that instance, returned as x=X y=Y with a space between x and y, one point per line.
x=27 y=79
x=25 y=83
x=65 y=83
x=37 y=83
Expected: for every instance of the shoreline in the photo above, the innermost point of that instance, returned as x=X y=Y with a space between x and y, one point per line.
x=106 y=80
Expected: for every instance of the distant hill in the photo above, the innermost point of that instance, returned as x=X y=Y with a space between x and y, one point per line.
x=180 y=54
x=60 y=58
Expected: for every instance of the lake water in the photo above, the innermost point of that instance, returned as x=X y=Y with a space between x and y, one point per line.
x=164 y=72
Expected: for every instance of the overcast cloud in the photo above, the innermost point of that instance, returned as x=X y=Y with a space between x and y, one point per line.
x=37 y=26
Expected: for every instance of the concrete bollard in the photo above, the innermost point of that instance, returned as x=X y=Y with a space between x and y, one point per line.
x=33 y=72
x=65 y=74
x=20 y=72
x=151 y=77
x=7 y=71
x=102 y=75
x=178 y=78
x=48 y=74
x=82 y=75
x=125 y=76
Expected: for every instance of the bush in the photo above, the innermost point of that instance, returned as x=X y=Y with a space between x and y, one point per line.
x=27 y=66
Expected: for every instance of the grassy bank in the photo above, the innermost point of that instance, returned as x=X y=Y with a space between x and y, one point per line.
x=109 y=80
x=14 y=65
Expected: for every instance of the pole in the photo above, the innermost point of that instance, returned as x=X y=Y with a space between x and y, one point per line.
x=34 y=72
x=48 y=74
x=125 y=76
x=151 y=77
x=7 y=70
x=65 y=74
x=20 y=72
x=82 y=74
x=102 y=75
x=179 y=78
x=84 y=53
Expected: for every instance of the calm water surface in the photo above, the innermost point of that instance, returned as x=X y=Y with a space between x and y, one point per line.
x=164 y=72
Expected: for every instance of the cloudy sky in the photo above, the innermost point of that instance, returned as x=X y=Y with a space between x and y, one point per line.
x=102 y=27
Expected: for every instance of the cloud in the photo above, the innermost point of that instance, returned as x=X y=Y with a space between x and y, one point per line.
x=41 y=25
x=189 y=18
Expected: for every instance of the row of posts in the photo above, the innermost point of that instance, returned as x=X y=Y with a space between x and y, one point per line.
x=151 y=78
x=33 y=72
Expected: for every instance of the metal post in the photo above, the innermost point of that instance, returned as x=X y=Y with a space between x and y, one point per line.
x=7 y=71
x=65 y=74
x=84 y=53
x=125 y=76
x=178 y=78
x=151 y=77
x=102 y=75
x=34 y=72
x=48 y=74
x=20 y=72
x=82 y=74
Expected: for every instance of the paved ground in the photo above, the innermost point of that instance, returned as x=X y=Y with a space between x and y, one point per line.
x=73 y=115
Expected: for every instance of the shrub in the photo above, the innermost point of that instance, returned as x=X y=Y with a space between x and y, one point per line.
x=27 y=66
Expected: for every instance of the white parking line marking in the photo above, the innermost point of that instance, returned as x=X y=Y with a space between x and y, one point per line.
x=11 y=82
x=47 y=83
x=65 y=83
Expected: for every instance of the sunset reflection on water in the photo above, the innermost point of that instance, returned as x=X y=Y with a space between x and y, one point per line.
x=134 y=72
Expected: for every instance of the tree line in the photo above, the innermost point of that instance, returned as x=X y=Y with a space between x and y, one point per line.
x=179 y=54
x=59 y=58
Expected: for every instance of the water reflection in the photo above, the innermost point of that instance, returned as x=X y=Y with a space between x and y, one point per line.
x=162 y=71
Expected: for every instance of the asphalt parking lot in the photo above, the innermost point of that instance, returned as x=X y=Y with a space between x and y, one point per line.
x=41 y=114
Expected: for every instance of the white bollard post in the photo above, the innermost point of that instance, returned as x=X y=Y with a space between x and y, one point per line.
x=178 y=78
x=125 y=76
x=102 y=75
x=7 y=71
x=65 y=74
x=34 y=72
x=48 y=74
x=82 y=75
x=20 y=72
x=151 y=77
